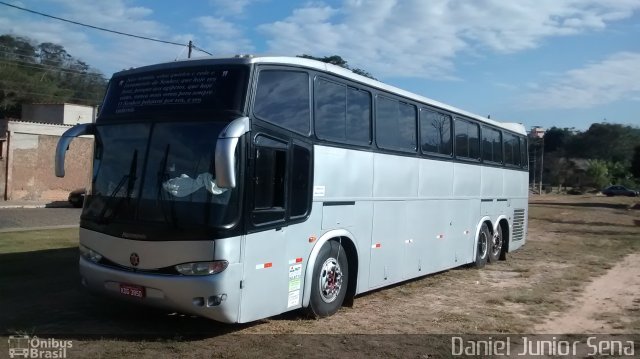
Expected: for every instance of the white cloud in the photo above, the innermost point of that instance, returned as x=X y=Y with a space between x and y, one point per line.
x=230 y=7
x=223 y=37
x=109 y=52
x=413 y=38
x=614 y=79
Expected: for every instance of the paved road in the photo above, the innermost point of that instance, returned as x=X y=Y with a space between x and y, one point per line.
x=38 y=217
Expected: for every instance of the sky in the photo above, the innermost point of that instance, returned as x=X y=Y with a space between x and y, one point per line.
x=563 y=63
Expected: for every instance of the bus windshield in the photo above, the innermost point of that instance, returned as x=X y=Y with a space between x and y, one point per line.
x=155 y=138
x=159 y=173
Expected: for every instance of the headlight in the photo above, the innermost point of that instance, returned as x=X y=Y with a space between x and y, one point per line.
x=90 y=254
x=202 y=268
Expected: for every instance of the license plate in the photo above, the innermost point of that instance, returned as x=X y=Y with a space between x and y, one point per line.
x=132 y=290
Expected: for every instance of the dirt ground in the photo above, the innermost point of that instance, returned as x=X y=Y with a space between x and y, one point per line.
x=579 y=272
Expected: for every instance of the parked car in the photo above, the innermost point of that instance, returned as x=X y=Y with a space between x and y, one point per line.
x=617 y=190
x=76 y=197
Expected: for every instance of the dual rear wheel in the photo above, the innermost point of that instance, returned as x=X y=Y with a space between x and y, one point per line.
x=490 y=247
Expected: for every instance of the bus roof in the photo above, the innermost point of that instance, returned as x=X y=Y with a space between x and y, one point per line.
x=328 y=68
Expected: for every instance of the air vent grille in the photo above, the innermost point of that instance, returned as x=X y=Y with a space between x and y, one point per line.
x=518 y=224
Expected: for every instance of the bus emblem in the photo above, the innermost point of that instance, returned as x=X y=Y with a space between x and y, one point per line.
x=134 y=259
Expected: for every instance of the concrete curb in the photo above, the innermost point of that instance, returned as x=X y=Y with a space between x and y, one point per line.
x=27 y=204
x=14 y=206
x=7 y=230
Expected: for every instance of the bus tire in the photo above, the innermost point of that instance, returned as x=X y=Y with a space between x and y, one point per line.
x=495 y=245
x=330 y=280
x=482 y=247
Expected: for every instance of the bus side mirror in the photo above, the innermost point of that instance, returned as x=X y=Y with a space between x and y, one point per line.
x=225 y=161
x=65 y=140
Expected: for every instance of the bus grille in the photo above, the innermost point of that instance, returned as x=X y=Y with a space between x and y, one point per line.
x=518 y=224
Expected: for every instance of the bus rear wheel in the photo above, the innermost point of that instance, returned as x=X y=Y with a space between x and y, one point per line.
x=482 y=247
x=330 y=280
x=495 y=245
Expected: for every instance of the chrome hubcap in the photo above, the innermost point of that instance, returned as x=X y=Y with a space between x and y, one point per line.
x=330 y=280
x=497 y=243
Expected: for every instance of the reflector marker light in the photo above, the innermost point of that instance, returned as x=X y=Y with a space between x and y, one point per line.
x=440 y=236
x=264 y=265
x=294 y=261
x=377 y=245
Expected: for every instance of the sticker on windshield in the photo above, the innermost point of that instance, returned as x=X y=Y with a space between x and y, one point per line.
x=184 y=185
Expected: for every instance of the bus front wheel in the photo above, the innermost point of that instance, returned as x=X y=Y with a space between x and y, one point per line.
x=482 y=247
x=330 y=280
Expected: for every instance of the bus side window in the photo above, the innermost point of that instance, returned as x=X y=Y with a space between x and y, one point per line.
x=269 y=181
x=435 y=132
x=282 y=98
x=300 y=182
x=511 y=150
x=524 y=153
x=467 y=139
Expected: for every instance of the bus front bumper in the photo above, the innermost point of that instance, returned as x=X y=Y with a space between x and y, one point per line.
x=214 y=296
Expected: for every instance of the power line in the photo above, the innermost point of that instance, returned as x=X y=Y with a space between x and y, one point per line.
x=97 y=93
x=86 y=99
x=33 y=65
x=102 y=28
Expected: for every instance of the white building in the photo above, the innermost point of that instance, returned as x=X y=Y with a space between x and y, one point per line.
x=536 y=132
x=58 y=113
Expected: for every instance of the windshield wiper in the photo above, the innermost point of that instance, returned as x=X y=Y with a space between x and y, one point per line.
x=130 y=178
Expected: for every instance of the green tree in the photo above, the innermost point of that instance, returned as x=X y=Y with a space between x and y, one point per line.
x=606 y=141
x=557 y=139
x=17 y=48
x=618 y=172
x=43 y=73
x=338 y=61
x=598 y=173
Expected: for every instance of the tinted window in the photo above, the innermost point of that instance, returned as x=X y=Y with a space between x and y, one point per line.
x=435 y=132
x=524 y=152
x=358 y=116
x=331 y=106
x=300 y=181
x=395 y=124
x=491 y=145
x=511 y=149
x=282 y=98
x=269 y=180
x=467 y=139
x=342 y=113
x=193 y=92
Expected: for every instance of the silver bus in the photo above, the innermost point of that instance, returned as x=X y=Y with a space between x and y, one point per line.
x=237 y=189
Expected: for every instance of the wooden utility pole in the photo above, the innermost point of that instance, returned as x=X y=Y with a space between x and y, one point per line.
x=541 y=163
